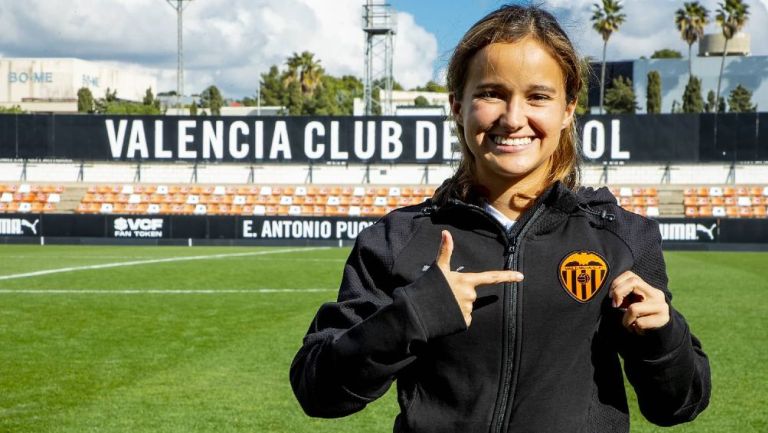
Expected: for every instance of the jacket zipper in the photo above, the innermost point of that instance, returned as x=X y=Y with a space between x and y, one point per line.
x=504 y=400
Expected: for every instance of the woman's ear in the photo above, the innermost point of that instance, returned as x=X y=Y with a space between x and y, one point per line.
x=455 y=109
x=570 y=110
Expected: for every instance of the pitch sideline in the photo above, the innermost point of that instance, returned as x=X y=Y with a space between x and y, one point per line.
x=151 y=262
x=156 y=291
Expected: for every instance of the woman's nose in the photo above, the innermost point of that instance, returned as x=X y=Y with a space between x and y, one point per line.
x=514 y=116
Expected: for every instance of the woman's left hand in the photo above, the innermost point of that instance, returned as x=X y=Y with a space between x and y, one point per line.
x=645 y=306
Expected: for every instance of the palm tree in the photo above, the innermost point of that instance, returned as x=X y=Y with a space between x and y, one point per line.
x=304 y=69
x=731 y=16
x=690 y=21
x=606 y=20
x=311 y=72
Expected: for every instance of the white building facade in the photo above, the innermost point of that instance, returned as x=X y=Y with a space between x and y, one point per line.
x=37 y=82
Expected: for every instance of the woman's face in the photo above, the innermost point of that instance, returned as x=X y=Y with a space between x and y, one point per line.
x=513 y=111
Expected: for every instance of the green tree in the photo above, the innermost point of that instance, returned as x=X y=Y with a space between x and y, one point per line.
x=666 y=53
x=336 y=96
x=149 y=98
x=421 y=101
x=85 y=100
x=653 y=93
x=620 y=98
x=294 y=101
x=606 y=20
x=710 y=106
x=193 y=109
x=130 y=108
x=101 y=105
x=432 y=86
x=11 y=110
x=731 y=16
x=692 y=100
x=211 y=98
x=690 y=21
x=740 y=100
x=272 y=90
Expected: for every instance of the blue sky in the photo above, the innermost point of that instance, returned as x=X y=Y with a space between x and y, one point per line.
x=446 y=19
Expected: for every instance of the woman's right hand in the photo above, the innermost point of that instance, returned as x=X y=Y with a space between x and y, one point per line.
x=464 y=285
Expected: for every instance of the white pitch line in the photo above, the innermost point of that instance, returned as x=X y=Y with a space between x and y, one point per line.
x=151 y=262
x=154 y=291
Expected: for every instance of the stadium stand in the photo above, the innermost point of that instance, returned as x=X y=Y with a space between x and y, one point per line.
x=726 y=201
x=30 y=198
x=282 y=200
x=721 y=201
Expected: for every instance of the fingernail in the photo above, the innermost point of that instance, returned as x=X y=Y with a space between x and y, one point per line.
x=521 y=276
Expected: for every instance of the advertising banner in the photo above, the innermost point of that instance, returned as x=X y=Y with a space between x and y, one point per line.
x=301 y=139
x=689 y=230
x=274 y=230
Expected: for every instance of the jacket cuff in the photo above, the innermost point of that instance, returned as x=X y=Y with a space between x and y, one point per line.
x=656 y=343
x=435 y=304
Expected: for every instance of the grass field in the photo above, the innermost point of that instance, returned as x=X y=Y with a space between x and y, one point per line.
x=167 y=339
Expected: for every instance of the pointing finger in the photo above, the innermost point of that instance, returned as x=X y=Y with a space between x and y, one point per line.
x=493 y=277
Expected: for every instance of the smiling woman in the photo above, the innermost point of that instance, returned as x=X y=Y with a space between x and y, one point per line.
x=512 y=121
x=504 y=302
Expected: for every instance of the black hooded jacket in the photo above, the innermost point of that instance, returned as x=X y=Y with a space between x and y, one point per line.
x=541 y=355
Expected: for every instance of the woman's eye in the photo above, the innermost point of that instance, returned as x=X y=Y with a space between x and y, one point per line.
x=488 y=94
x=539 y=97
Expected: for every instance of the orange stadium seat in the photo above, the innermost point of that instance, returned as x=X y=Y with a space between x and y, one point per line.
x=745 y=212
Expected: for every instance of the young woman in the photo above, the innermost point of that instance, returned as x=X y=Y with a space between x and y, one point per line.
x=504 y=303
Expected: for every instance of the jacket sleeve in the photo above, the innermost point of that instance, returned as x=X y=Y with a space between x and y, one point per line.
x=666 y=366
x=356 y=346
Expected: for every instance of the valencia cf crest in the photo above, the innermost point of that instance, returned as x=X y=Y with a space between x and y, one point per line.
x=582 y=274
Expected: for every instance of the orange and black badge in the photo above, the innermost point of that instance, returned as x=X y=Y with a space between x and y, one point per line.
x=583 y=274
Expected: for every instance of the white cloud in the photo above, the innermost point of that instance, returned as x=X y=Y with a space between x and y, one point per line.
x=226 y=42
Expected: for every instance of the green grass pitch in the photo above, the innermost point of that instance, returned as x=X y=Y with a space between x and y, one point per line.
x=172 y=339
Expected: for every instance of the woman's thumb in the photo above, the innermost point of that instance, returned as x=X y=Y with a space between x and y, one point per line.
x=444 y=252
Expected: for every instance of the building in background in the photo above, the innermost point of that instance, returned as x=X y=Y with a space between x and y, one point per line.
x=740 y=68
x=51 y=84
x=404 y=104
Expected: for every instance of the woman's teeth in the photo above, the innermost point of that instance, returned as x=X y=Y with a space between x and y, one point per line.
x=511 y=141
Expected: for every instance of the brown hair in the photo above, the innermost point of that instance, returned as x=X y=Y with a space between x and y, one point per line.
x=511 y=23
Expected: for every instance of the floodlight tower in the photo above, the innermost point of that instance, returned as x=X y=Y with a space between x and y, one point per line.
x=380 y=26
x=179 y=6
